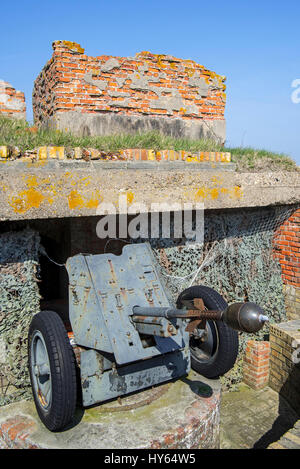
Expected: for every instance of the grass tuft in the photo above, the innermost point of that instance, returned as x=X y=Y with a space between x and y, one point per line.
x=26 y=137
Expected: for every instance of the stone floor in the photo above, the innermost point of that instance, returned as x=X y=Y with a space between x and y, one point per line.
x=290 y=440
x=257 y=419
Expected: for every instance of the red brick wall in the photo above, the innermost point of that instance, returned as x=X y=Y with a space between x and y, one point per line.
x=12 y=102
x=147 y=84
x=256 y=364
x=287 y=249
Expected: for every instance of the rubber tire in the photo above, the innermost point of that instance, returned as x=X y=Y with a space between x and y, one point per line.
x=228 y=338
x=62 y=367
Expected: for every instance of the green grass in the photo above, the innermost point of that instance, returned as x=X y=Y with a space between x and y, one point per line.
x=18 y=133
x=25 y=137
x=247 y=158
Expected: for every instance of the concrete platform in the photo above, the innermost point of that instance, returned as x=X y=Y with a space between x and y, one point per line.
x=180 y=414
x=73 y=189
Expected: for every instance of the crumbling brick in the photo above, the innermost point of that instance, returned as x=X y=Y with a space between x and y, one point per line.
x=121 y=90
x=12 y=102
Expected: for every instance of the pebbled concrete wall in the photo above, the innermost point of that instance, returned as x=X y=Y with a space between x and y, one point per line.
x=12 y=102
x=104 y=95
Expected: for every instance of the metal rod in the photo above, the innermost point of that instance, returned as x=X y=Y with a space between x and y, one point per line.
x=176 y=313
x=159 y=312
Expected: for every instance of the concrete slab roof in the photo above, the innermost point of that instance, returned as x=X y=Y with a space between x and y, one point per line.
x=70 y=189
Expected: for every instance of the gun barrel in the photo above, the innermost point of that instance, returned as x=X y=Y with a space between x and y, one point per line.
x=244 y=317
x=164 y=312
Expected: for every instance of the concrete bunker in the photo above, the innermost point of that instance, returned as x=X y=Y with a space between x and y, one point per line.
x=251 y=222
x=237 y=258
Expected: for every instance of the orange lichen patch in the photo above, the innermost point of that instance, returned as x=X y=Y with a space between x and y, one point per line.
x=30 y=197
x=158 y=57
x=210 y=75
x=94 y=201
x=130 y=197
x=95 y=72
x=217 y=180
x=27 y=199
x=159 y=60
x=32 y=181
x=190 y=71
x=4 y=188
x=224 y=190
x=36 y=164
x=73 y=46
x=237 y=192
x=80 y=183
x=214 y=192
x=35 y=194
x=143 y=53
x=77 y=201
x=201 y=193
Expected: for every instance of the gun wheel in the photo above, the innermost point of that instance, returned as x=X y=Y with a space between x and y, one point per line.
x=213 y=349
x=52 y=370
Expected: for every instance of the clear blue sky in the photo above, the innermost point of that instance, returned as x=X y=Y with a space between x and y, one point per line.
x=256 y=44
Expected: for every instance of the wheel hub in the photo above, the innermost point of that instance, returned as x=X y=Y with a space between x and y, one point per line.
x=41 y=370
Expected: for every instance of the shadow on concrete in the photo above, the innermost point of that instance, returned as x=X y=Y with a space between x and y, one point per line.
x=288 y=414
x=198 y=387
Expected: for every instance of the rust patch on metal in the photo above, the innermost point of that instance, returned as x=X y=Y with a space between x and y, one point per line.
x=156 y=393
x=124 y=294
x=113 y=274
x=192 y=325
x=148 y=295
x=199 y=304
